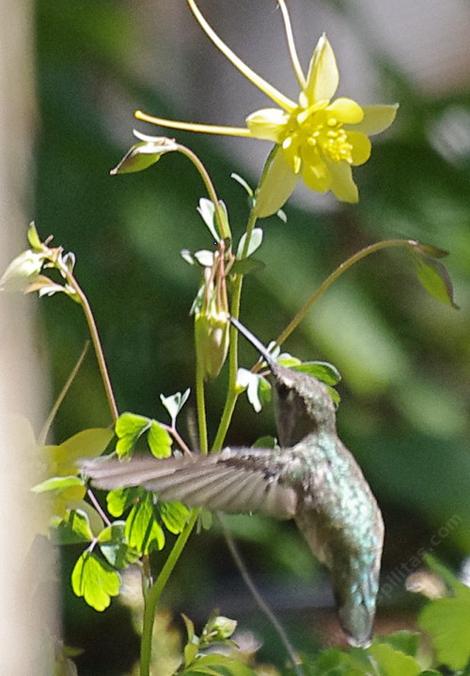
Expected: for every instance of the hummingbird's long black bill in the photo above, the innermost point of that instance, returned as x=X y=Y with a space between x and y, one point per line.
x=257 y=344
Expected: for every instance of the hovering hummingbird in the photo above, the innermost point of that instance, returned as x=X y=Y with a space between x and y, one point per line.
x=312 y=478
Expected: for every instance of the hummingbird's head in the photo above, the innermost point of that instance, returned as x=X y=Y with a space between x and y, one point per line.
x=303 y=405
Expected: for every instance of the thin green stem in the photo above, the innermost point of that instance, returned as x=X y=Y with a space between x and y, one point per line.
x=95 y=339
x=62 y=394
x=222 y=224
x=232 y=393
x=201 y=408
x=153 y=594
x=331 y=279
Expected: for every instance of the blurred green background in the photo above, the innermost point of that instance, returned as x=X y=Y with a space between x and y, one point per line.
x=403 y=356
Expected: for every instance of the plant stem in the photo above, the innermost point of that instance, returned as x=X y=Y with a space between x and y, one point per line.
x=95 y=339
x=331 y=279
x=152 y=596
x=264 y=607
x=232 y=394
x=62 y=394
x=201 y=408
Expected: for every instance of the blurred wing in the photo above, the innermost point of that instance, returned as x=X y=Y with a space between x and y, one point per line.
x=232 y=481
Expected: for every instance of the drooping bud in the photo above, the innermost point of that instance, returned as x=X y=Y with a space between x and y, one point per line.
x=212 y=318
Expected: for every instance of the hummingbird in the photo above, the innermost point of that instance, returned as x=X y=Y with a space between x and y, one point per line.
x=311 y=478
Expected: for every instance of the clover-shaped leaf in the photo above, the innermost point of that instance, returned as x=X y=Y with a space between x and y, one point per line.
x=95 y=580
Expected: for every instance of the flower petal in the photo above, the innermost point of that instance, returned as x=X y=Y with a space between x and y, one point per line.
x=361 y=147
x=317 y=176
x=323 y=76
x=342 y=184
x=377 y=118
x=276 y=186
x=267 y=124
x=346 y=110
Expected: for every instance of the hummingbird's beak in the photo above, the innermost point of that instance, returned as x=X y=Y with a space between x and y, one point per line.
x=257 y=344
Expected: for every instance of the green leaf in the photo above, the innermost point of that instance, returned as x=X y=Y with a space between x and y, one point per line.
x=435 y=279
x=174 y=403
x=265 y=442
x=58 y=483
x=405 y=641
x=247 y=266
x=159 y=440
x=218 y=665
x=447 y=575
x=119 y=499
x=174 y=515
x=447 y=621
x=256 y=240
x=322 y=370
x=143 y=532
x=393 y=662
x=429 y=250
x=334 y=662
x=113 y=545
x=334 y=394
x=73 y=529
x=129 y=427
x=33 y=238
x=95 y=580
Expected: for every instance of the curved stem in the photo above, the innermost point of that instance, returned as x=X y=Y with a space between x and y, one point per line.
x=62 y=394
x=331 y=279
x=201 y=409
x=232 y=394
x=299 y=74
x=259 y=599
x=95 y=339
x=223 y=226
x=152 y=595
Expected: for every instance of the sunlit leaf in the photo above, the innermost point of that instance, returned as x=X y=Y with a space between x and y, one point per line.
x=33 y=237
x=95 y=580
x=129 y=427
x=393 y=662
x=159 y=440
x=405 y=641
x=74 y=528
x=114 y=547
x=447 y=621
x=88 y=443
x=57 y=483
x=142 y=530
x=435 y=279
x=144 y=154
x=321 y=370
x=119 y=499
x=174 y=515
x=265 y=442
x=174 y=403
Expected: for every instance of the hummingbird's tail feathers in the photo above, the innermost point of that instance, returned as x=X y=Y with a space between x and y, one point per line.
x=242 y=481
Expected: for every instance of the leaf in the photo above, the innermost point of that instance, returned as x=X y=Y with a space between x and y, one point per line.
x=73 y=529
x=143 y=532
x=442 y=571
x=189 y=624
x=159 y=440
x=57 y=483
x=218 y=665
x=393 y=662
x=447 y=621
x=265 y=442
x=334 y=394
x=435 y=279
x=113 y=546
x=174 y=403
x=255 y=242
x=247 y=266
x=174 y=515
x=95 y=581
x=429 y=250
x=405 y=641
x=129 y=427
x=322 y=370
x=206 y=210
x=33 y=238
x=334 y=662
x=88 y=443
x=119 y=499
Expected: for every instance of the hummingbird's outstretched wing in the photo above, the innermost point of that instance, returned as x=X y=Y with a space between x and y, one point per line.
x=234 y=481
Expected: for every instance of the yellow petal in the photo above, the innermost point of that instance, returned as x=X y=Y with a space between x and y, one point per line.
x=342 y=184
x=316 y=176
x=323 y=76
x=377 y=118
x=361 y=147
x=267 y=124
x=276 y=186
x=346 y=110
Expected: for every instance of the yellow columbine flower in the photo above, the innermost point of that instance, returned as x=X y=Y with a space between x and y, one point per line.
x=317 y=139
